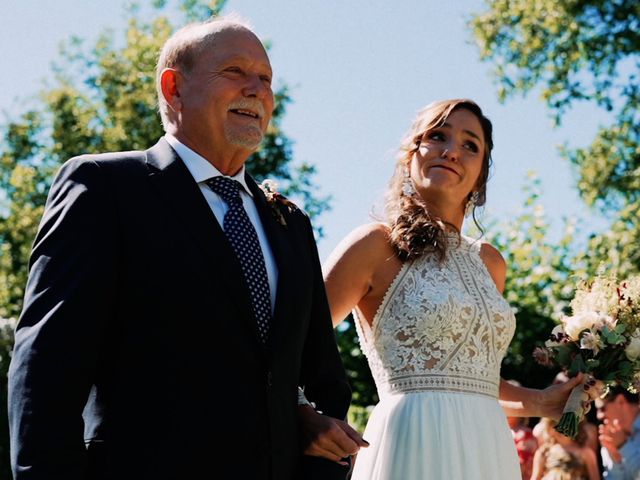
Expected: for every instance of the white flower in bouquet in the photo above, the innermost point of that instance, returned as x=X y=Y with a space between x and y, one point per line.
x=599 y=297
x=591 y=341
x=632 y=350
x=575 y=324
x=630 y=289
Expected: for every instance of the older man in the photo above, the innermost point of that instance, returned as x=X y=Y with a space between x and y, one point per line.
x=171 y=311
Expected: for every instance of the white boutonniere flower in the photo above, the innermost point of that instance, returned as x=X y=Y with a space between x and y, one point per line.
x=269 y=188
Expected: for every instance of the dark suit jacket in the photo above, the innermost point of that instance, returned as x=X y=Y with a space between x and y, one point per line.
x=137 y=351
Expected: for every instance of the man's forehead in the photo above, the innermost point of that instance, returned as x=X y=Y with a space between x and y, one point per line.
x=239 y=43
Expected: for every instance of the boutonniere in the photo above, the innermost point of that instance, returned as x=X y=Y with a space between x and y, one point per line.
x=274 y=198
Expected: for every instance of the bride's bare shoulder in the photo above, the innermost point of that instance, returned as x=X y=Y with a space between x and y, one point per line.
x=371 y=239
x=365 y=248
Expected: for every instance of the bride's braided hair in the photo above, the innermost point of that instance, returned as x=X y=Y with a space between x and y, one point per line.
x=414 y=231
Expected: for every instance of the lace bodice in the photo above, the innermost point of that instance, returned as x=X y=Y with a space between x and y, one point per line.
x=440 y=326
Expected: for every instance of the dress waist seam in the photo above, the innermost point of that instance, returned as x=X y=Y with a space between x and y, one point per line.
x=440 y=383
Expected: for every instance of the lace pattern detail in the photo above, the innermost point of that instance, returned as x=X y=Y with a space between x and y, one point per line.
x=440 y=327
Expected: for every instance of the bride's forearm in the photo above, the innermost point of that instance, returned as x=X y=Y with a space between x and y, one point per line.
x=530 y=402
x=519 y=401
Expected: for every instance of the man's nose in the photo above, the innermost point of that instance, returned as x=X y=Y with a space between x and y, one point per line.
x=255 y=87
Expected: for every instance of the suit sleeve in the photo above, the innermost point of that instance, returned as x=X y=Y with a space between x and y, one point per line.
x=59 y=339
x=322 y=372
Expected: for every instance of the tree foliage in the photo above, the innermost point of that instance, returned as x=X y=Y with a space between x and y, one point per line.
x=103 y=98
x=580 y=51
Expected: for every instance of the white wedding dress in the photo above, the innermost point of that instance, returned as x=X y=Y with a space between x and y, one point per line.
x=434 y=349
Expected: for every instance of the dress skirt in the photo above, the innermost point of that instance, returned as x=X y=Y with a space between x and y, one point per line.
x=437 y=435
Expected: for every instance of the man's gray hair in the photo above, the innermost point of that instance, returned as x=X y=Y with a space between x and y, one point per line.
x=183 y=48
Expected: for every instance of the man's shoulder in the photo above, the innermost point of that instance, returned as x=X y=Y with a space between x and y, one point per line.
x=103 y=168
x=107 y=159
x=126 y=161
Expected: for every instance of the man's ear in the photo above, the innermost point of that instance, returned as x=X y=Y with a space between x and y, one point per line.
x=170 y=82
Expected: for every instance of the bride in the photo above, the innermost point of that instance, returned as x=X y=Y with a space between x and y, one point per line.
x=430 y=313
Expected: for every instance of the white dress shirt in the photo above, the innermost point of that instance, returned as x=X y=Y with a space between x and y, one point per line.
x=201 y=171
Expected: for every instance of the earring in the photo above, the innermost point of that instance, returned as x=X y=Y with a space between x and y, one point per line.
x=407 y=185
x=473 y=199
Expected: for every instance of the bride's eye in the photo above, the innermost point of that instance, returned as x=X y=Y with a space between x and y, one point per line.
x=472 y=146
x=436 y=136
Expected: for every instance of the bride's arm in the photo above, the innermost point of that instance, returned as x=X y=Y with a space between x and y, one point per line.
x=530 y=402
x=350 y=269
x=495 y=264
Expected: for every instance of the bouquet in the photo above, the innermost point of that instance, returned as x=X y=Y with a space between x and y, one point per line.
x=601 y=338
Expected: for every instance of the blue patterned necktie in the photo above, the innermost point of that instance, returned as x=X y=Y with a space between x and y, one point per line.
x=244 y=241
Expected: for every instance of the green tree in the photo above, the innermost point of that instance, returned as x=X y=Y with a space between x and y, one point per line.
x=580 y=51
x=104 y=99
x=541 y=275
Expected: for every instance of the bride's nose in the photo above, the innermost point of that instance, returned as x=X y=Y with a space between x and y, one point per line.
x=450 y=152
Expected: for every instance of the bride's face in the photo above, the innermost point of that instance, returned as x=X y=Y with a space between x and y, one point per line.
x=449 y=158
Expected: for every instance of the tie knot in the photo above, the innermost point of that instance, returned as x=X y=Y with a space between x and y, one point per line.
x=226 y=187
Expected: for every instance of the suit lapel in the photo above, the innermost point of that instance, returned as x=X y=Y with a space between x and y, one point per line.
x=175 y=185
x=281 y=248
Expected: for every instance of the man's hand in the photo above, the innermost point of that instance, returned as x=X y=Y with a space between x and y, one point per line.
x=612 y=437
x=328 y=437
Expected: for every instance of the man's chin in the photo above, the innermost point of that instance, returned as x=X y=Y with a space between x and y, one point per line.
x=248 y=140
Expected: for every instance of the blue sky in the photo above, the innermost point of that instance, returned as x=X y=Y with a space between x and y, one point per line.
x=358 y=71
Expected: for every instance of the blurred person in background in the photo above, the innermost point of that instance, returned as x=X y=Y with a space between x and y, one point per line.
x=619 y=434
x=560 y=458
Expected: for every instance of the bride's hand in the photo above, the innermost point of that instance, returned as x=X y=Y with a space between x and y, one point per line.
x=551 y=400
x=328 y=437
